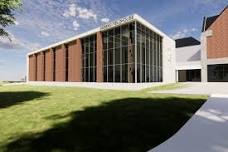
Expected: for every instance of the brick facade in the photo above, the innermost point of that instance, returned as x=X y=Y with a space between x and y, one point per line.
x=74 y=61
x=40 y=66
x=53 y=65
x=49 y=65
x=217 y=44
x=32 y=67
x=59 y=64
x=99 y=57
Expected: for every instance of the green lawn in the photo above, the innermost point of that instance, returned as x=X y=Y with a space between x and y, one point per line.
x=89 y=120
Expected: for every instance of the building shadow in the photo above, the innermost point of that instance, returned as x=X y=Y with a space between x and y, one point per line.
x=125 y=125
x=8 y=99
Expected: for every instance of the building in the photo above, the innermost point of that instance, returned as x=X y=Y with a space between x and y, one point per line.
x=188 y=60
x=214 y=46
x=128 y=50
x=131 y=50
x=205 y=61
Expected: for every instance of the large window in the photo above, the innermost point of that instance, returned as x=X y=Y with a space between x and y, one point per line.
x=218 y=73
x=89 y=59
x=189 y=75
x=121 y=59
x=119 y=54
x=149 y=55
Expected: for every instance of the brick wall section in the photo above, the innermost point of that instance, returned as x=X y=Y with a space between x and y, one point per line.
x=40 y=66
x=64 y=49
x=217 y=44
x=49 y=65
x=74 y=61
x=99 y=57
x=32 y=68
x=60 y=64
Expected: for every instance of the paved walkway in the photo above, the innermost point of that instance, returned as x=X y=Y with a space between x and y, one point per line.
x=200 y=88
x=112 y=86
x=206 y=131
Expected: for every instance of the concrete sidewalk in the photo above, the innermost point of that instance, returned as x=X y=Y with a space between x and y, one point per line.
x=199 y=88
x=97 y=85
x=206 y=131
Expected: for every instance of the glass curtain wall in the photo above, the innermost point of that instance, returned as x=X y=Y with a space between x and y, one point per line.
x=118 y=45
x=149 y=55
x=89 y=59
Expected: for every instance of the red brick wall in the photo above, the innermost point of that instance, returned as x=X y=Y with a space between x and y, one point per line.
x=49 y=65
x=74 y=61
x=60 y=64
x=99 y=57
x=32 y=68
x=217 y=44
x=40 y=66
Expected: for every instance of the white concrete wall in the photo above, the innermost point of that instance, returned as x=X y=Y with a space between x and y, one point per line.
x=169 y=60
x=187 y=54
x=188 y=57
x=204 y=36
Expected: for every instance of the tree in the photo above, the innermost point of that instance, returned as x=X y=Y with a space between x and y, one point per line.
x=7 y=18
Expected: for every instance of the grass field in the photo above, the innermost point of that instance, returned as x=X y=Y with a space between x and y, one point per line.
x=89 y=120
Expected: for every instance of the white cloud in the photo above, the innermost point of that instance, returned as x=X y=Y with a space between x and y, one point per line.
x=45 y=34
x=58 y=26
x=193 y=30
x=76 y=25
x=86 y=13
x=81 y=12
x=15 y=43
x=31 y=46
x=71 y=12
x=105 y=20
x=183 y=33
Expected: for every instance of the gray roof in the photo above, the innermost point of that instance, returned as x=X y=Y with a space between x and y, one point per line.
x=208 y=21
x=187 y=41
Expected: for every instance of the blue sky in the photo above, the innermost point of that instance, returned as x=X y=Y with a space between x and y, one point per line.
x=43 y=22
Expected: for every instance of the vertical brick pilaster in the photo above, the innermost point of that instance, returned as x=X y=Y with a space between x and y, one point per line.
x=74 y=61
x=49 y=65
x=44 y=65
x=59 y=64
x=40 y=66
x=53 y=60
x=79 y=60
x=35 y=67
x=32 y=67
x=64 y=49
x=99 y=57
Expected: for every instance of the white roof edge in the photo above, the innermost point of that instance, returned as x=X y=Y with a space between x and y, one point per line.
x=135 y=16
x=66 y=41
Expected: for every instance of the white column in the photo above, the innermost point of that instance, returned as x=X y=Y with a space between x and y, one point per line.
x=204 y=35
